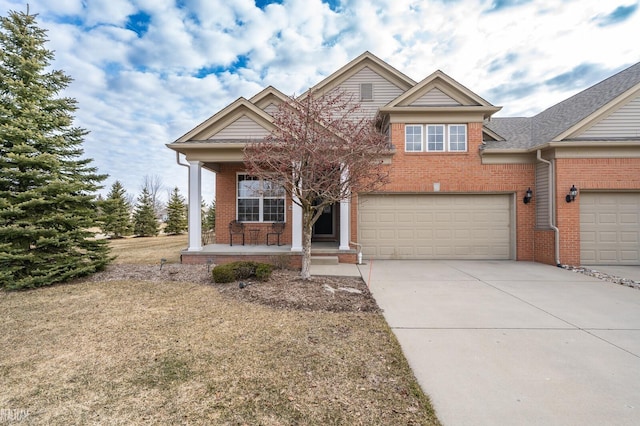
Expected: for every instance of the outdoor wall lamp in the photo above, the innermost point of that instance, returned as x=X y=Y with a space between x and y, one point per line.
x=571 y=196
x=527 y=196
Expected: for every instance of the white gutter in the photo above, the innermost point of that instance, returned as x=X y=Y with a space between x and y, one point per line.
x=551 y=204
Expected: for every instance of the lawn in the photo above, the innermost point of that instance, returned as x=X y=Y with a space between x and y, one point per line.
x=141 y=352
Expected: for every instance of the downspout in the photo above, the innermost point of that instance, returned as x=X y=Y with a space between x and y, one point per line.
x=178 y=160
x=188 y=181
x=551 y=205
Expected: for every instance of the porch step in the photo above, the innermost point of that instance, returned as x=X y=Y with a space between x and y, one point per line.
x=324 y=260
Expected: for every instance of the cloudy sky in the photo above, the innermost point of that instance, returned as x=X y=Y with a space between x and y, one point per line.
x=147 y=71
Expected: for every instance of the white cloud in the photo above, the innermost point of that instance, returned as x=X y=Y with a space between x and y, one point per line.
x=138 y=92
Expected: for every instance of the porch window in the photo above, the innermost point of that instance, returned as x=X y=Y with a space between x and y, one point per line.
x=259 y=200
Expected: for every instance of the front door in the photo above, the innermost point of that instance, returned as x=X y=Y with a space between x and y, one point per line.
x=325 y=227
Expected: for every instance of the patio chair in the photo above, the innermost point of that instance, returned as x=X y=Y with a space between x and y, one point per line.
x=276 y=229
x=235 y=228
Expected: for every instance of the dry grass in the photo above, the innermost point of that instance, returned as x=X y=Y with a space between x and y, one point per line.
x=148 y=250
x=141 y=352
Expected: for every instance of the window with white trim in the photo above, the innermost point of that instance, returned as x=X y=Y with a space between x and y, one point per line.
x=412 y=138
x=457 y=137
x=438 y=138
x=259 y=200
x=435 y=137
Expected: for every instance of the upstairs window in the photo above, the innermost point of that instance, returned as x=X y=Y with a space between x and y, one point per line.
x=438 y=138
x=413 y=138
x=435 y=137
x=457 y=137
x=259 y=200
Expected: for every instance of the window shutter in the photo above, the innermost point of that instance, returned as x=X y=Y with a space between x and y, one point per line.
x=366 y=91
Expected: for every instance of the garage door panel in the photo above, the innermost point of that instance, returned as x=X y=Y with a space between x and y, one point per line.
x=405 y=234
x=609 y=228
x=442 y=226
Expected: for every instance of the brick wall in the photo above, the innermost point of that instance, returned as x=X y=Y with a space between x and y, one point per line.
x=464 y=173
x=195 y=258
x=544 y=246
x=595 y=174
x=226 y=210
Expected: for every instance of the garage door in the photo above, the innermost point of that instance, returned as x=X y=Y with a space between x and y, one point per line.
x=440 y=226
x=610 y=228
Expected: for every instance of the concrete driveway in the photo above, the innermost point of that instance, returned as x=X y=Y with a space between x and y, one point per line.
x=515 y=343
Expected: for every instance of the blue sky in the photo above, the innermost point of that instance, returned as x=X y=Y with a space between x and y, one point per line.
x=147 y=71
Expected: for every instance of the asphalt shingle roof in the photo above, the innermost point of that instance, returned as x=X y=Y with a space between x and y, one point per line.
x=522 y=132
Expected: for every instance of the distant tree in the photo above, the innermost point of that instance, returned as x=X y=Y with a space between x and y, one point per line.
x=209 y=218
x=116 y=216
x=322 y=150
x=47 y=202
x=176 y=213
x=145 y=223
x=154 y=185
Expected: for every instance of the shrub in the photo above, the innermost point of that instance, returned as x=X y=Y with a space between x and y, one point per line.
x=223 y=274
x=241 y=270
x=263 y=271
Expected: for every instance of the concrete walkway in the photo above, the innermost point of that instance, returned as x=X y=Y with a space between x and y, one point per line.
x=515 y=343
x=339 y=270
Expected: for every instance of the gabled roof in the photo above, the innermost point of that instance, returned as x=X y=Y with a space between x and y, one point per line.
x=554 y=121
x=267 y=96
x=224 y=117
x=464 y=99
x=444 y=83
x=367 y=59
x=559 y=121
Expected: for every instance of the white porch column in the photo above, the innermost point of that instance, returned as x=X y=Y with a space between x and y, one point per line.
x=345 y=221
x=195 y=199
x=296 y=228
x=345 y=217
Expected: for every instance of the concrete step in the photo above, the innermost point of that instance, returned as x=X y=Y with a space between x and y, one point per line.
x=324 y=260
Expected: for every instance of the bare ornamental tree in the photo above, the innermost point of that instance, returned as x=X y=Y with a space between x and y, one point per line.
x=324 y=149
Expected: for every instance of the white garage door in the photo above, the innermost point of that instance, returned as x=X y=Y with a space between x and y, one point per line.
x=610 y=228
x=440 y=226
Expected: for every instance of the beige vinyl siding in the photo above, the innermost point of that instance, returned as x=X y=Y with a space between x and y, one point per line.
x=383 y=90
x=271 y=109
x=242 y=128
x=435 y=97
x=610 y=228
x=541 y=196
x=623 y=123
x=443 y=226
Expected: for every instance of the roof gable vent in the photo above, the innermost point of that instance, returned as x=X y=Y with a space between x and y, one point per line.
x=366 y=91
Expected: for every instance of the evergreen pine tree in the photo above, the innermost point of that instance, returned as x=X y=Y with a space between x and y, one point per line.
x=115 y=218
x=210 y=218
x=176 y=214
x=144 y=216
x=46 y=189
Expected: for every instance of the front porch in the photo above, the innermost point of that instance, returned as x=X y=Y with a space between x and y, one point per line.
x=283 y=255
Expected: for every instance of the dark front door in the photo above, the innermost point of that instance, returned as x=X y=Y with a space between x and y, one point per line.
x=325 y=227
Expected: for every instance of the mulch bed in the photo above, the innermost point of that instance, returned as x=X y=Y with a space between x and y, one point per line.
x=285 y=290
